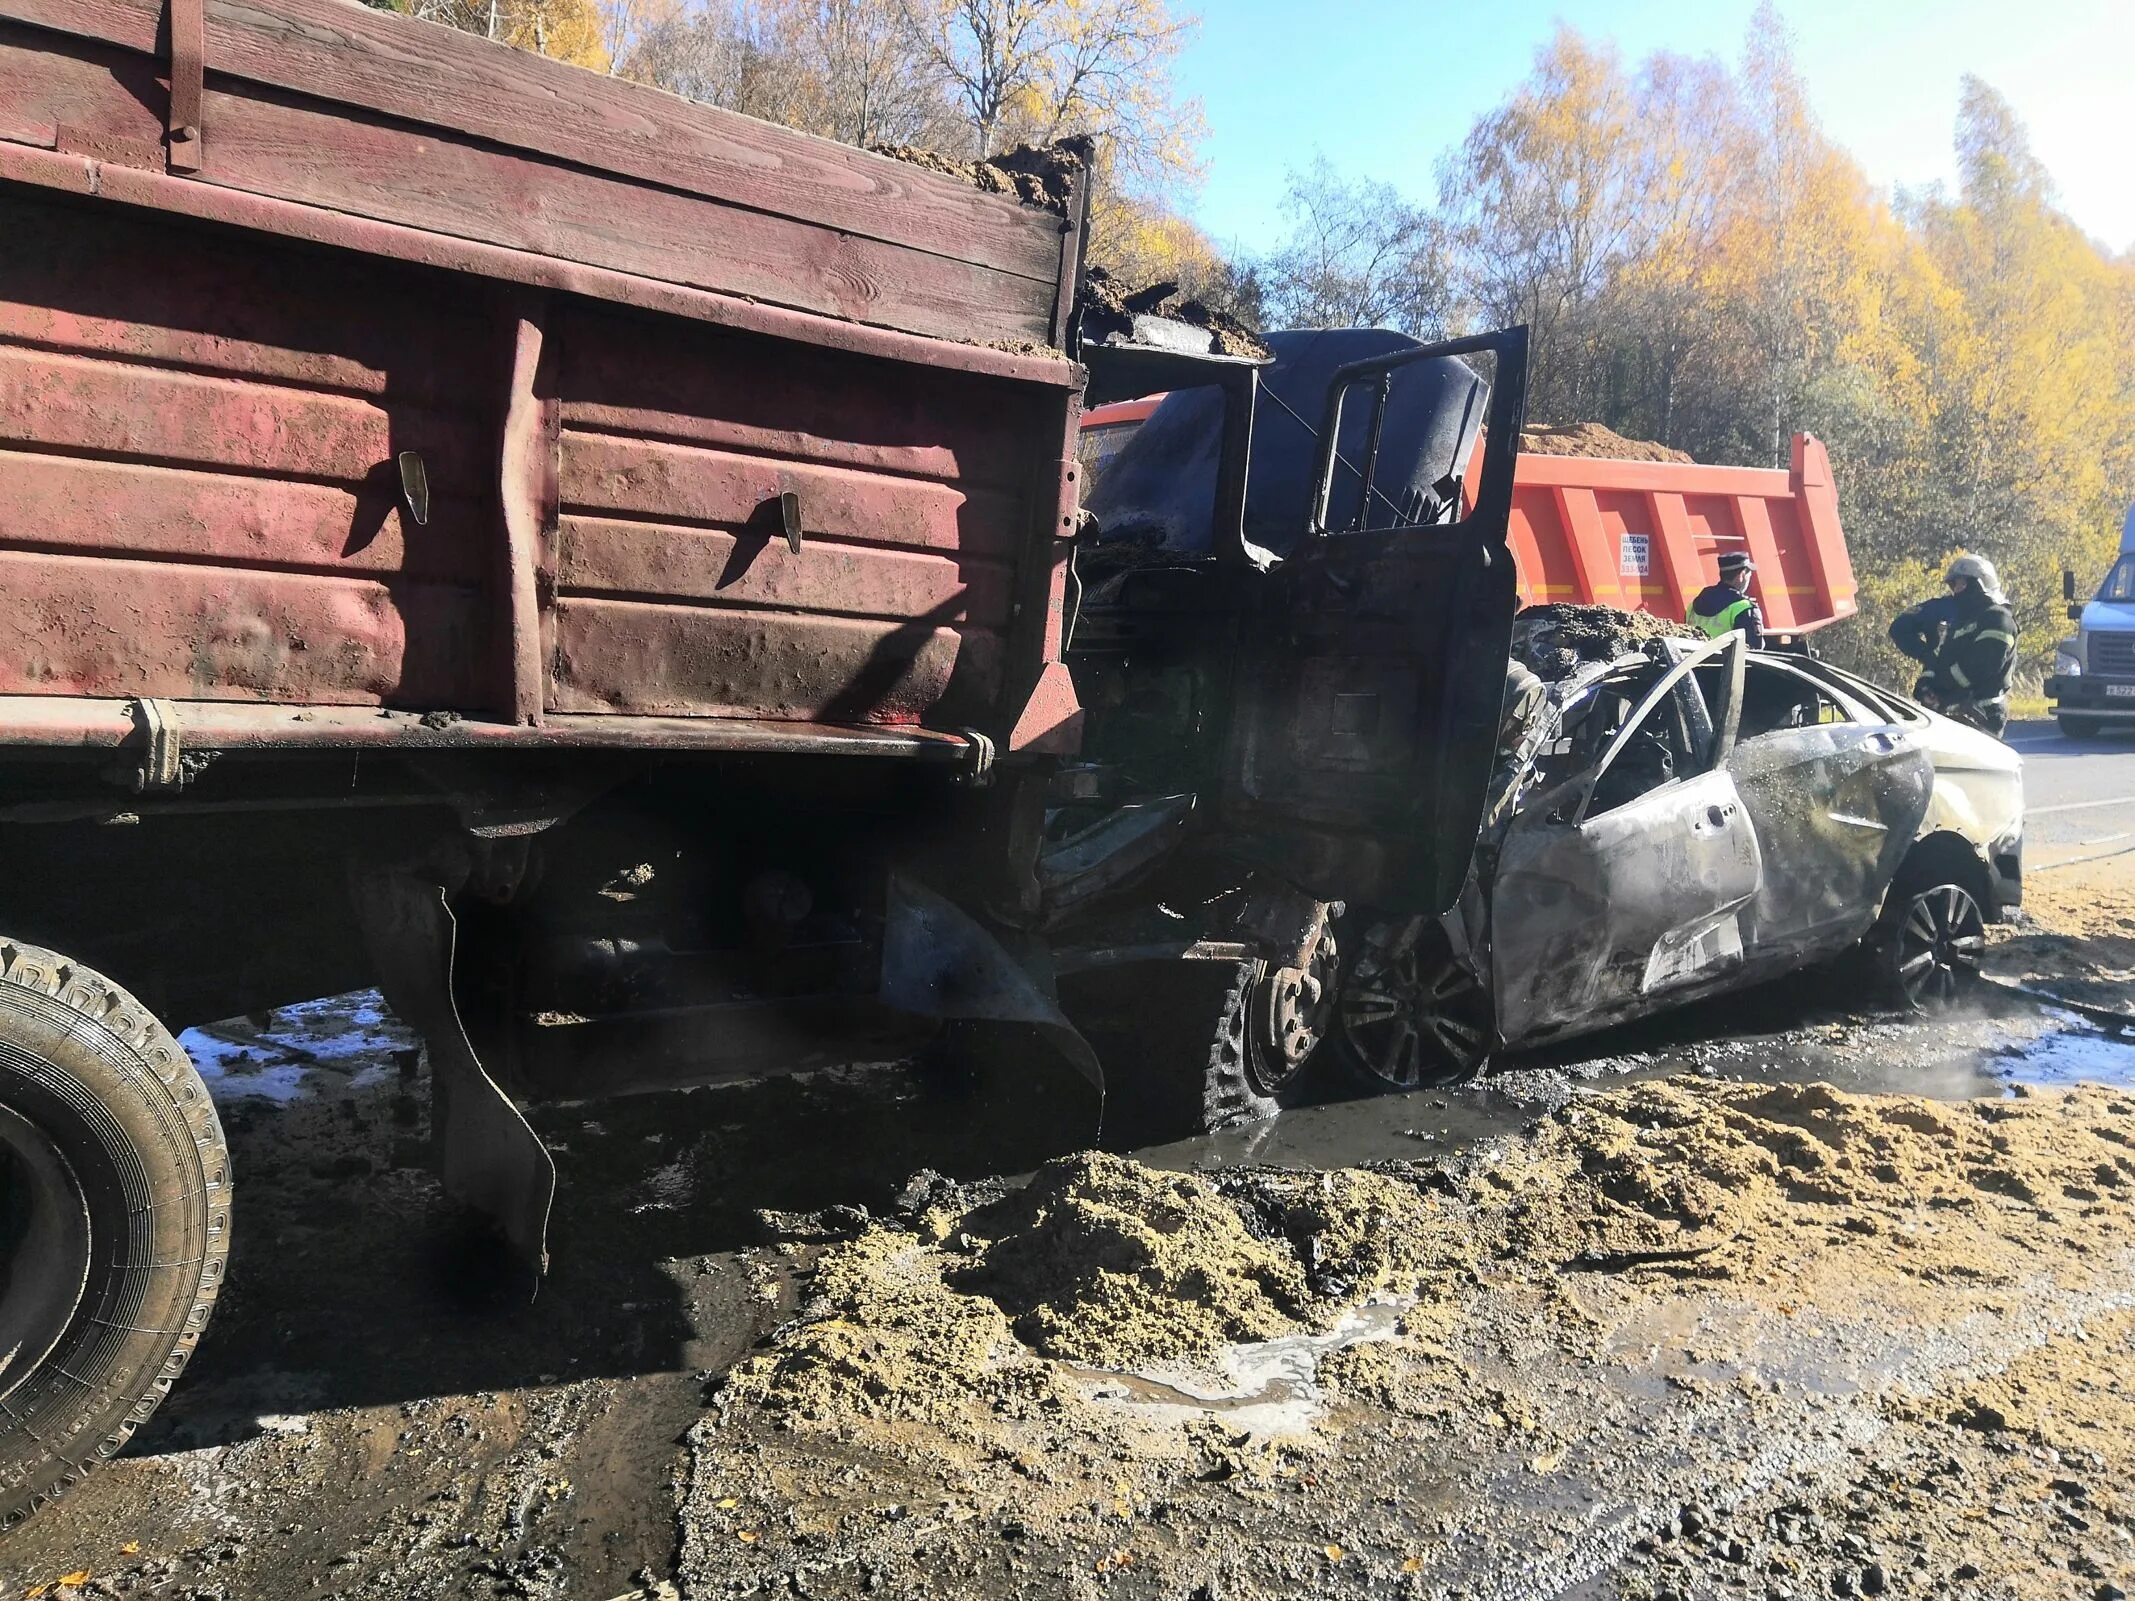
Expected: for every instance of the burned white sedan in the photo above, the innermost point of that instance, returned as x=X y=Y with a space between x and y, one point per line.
x=1688 y=821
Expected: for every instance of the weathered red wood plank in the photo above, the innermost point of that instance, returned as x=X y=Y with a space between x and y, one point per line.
x=649 y=561
x=57 y=173
x=306 y=151
x=622 y=656
x=110 y=408
x=439 y=76
x=102 y=281
x=48 y=83
x=99 y=627
x=124 y=509
x=630 y=375
x=606 y=473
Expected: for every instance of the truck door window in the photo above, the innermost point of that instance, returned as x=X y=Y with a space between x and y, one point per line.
x=2120 y=582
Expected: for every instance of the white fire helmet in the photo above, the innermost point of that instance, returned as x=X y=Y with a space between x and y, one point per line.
x=1981 y=572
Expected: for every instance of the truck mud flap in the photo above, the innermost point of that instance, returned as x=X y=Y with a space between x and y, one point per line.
x=939 y=961
x=489 y=1157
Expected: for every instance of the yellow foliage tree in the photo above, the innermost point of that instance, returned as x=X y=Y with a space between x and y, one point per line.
x=1701 y=264
x=568 y=30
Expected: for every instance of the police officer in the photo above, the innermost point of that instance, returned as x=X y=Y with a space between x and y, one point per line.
x=1967 y=642
x=1726 y=607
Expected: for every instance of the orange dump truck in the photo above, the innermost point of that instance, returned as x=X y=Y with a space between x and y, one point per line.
x=1642 y=535
x=1646 y=535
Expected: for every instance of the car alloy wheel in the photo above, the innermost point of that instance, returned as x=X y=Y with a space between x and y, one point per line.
x=1936 y=948
x=1410 y=1014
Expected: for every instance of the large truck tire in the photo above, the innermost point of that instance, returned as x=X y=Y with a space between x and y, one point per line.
x=114 y=1220
x=2074 y=726
x=1194 y=1047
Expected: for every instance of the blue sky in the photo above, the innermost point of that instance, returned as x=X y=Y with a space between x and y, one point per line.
x=1383 y=87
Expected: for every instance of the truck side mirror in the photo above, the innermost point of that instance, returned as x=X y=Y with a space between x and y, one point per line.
x=2068 y=584
x=2075 y=612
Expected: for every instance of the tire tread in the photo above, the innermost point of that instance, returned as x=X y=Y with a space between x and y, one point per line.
x=108 y=1007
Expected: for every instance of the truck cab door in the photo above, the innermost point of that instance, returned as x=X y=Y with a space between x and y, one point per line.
x=1629 y=880
x=1369 y=666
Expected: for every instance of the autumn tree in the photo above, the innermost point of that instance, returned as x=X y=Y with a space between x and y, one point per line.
x=1357 y=255
x=568 y=30
x=1541 y=204
x=2034 y=386
x=1033 y=71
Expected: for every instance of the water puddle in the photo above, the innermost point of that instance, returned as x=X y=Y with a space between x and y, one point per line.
x=330 y=1046
x=2074 y=1053
x=1270 y=1387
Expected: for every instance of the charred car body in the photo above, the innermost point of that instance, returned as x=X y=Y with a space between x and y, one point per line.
x=609 y=587
x=1687 y=821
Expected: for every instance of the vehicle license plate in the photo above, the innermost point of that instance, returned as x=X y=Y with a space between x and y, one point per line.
x=2120 y=691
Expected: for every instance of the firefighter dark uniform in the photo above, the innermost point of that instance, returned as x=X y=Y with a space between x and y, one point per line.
x=1966 y=641
x=1726 y=608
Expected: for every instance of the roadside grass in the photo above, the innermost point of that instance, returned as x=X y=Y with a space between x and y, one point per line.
x=2028 y=706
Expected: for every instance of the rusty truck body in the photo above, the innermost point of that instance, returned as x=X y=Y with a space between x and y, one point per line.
x=601 y=569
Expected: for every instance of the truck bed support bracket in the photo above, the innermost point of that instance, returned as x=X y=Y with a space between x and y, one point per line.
x=489 y=1157
x=188 y=56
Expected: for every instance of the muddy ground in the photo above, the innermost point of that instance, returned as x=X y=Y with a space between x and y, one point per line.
x=1773 y=1297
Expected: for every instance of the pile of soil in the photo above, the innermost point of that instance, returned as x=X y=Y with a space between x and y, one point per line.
x=1037 y=175
x=2077 y=936
x=1556 y=640
x=1104 y=1262
x=1593 y=439
x=945 y=1402
x=1110 y=307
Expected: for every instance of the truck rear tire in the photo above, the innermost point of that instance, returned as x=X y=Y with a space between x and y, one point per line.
x=114 y=1220
x=1194 y=1047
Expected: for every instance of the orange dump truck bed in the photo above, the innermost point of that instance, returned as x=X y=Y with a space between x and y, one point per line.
x=1647 y=535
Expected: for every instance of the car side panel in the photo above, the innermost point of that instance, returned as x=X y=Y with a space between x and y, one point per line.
x=1835 y=806
x=1608 y=919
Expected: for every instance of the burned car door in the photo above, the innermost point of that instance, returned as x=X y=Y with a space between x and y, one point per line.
x=1627 y=882
x=1369 y=668
x=1837 y=795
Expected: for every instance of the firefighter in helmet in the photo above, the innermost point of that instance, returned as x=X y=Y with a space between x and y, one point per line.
x=1726 y=607
x=1966 y=641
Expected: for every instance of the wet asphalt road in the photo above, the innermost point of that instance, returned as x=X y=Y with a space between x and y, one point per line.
x=2079 y=796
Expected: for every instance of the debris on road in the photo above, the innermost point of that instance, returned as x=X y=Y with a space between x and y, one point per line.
x=986 y=1362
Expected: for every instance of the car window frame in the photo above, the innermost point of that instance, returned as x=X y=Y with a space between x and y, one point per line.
x=1724 y=726
x=1851 y=707
x=1884 y=705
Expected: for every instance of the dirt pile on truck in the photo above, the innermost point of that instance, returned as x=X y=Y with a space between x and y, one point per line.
x=1596 y=440
x=1110 y=307
x=1556 y=640
x=1037 y=175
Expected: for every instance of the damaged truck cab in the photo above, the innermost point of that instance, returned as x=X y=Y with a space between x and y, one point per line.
x=1279 y=609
